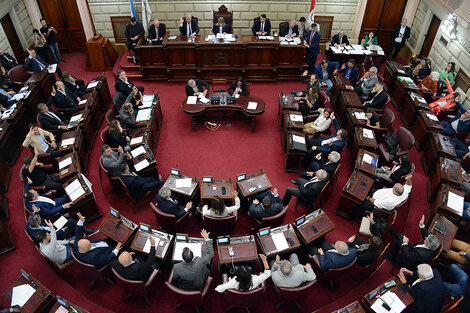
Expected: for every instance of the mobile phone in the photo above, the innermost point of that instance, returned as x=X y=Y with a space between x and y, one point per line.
x=390 y=284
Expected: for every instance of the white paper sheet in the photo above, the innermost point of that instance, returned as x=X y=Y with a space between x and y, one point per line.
x=183 y=183
x=76 y=194
x=60 y=222
x=395 y=304
x=136 y=140
x=298 y=139
x=368 y=133
x=455 y=202
x=270 y=37
x=64 y=163
x=75 y=118
x=367 y=158
x=367 y=52
x=141 y=165
x=191 y=100
x=137 y=151
x=297 y=40
x=67 y=142
x=357 y=47
x=296 y=117
x=171 y=37
x=204 y=100
x=293 y=43
x=335 y=50
x=283 y=43
x=401 y=71
x=148 y=245
x=432 y=117
x=179 y=246
x=61 y=309
x=252 y=105
x=380 y=52
x=21 y=294
x=92 y=84
x=73 y=186
x=82 y=101
x=52 y=68
x=360 y=115
x=261 y=37
x=280 y=241
x=143 y=115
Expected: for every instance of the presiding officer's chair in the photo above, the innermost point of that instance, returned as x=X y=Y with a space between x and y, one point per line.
x=227 y=15
x=138 y=287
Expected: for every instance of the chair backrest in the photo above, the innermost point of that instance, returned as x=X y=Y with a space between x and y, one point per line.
x=164 y=220
x=387 y=119
x=373 y=265
x=380 y=77
x=323 y=193
x=111 y=116
x=406 y=140
x=275 y=220
x=294 y=294
x=219 y=84
x=332 y=272
x=334 y=178
x=21 y=174
x=89 y=270
x=226 y=14
x=281 y=25
x=245 y=299
x=188 y=297
x=18 y=74
x=219 y=226
x=436 y=255
x=321 y=101
x=104 y=134
x=136 y=287
x=449 y=307
x=118 y=100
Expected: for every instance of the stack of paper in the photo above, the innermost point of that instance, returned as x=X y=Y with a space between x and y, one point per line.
x=52 y=68
x=335 y=50
x=191 y=100
x=60 y=222
x=269 y=37
x=172 y=38
x=143 y=115
x=136 y=140
x=21 y=294
x=82 y=101
x=141 y=165
x=74 y=190
x=296 y=117
x=137 y=151
x=297 y=40
x=298 y=139
x=92 y=84
x=360 y=115
x=367 y=158
x=64 y=163
x=284 y=43
x=75 y=118
x=280 y=241
x=392 y=300
x=262 y=37
x=183 y=183
x=252 y=105
x=432 y=117
x=67 y=142
x=455 y=202
x=368 y=133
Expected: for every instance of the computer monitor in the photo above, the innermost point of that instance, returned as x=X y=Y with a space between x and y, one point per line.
x=145 y=228
x=62 y=302
x=300 y=220
x=114 y=213
x=181 y=237
x=241 y=177
x=25 y=275
x=264 y=232
x=207 y=179
x=223 y=240
x=176 y=172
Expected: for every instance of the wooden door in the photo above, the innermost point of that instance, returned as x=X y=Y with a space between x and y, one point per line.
x=12 y=37
x=65 y=17
x=430 y=35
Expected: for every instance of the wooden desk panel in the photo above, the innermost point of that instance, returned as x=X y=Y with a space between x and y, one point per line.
x=261 y=182
x=10 y=145
x=439 y=146
x=108 y=227
x=354 y=192
x=73 y=168
x=364 y=166
x=161 y=252
x=406 y=298
x=286 y=102
x=269 y=248
x=354 y=307
x=447 y=172
x=424 y=127
x=210 y=190
x=411 y=106
x=243 y=252
x=323 y=225
x=439 y=205
x=186 y=192
x=447 y=238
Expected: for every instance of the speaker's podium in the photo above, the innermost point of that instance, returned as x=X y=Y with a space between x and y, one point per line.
x=296 y=147
x=354 y=192
x=79 y=191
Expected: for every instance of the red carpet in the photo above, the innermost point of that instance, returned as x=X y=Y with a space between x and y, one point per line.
x=223 y=154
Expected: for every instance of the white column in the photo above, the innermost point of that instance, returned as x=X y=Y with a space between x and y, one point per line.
x=33 y=12
x=358 y=17
x=85 y=16
x=410 y=11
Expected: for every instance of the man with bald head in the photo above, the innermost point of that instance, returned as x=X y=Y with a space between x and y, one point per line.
x=290 y=30
x=95 y=252
x=332 y=256
x=340 y=40
x=157 y=31
x=290 y=273
x=307 y=190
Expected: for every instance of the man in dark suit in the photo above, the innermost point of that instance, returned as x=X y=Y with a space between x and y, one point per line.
x=96 y=252
x=157 y=31
x=188 y=26
x=35 y=64
x=192 y=273
x=460 y=123
x=71 y=84
x=307 y=190
x=261 y=27
x=133 y=32
x=123 y=85
x=63 y=98
x=399 y=36
x=340 y=40
x=290 y=30
x=7 y=60
x=44 y=206
x=50 y=119
x=136 y=268
x=378 y=97
x=427 y=289
x=138 y=186
x=406 y=255
x=329 y=165
x=171 y=206
x=331 y=256
x=350 y=71
x=312 y=42
x=310 y=81
x=267 y=207
x=324 y=72
x=194 y=87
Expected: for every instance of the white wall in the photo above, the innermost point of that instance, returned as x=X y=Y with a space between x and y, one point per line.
x=21 y=22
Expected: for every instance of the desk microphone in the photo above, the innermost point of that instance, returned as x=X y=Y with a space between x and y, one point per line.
x=118 y=225
x=194 y=176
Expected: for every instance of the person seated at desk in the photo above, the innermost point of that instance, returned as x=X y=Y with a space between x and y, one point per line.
x=188 y=26
x=5 y=81
x=50 y=119
x=95 y=252
x=7 y=60
x=419 y=68
x=291 y=274
x=340 y=39
x=171 y=206
x=58 y=251
x=192 y=273
x=194 y=88
x=137 y=186
x=370 y=40
x=245 y=280
x=218 y=208
x=290 y=30
x=44 y=206
x=410 y=256
x=220 y=27
x=270 y=205
x=308 y=190
x=6 y=98
x=132 y=268
x=460 y=123
x=459 y=285
x=429 y=83
x=461 y=149
x=350 y=71
x=329 y=165
x=116 y=136
x=373 y=119
x=35 y=64
x=63 y=98
x=238 y=87
x=395 y=173
x=448 y=72
x=367 y=83
x=123 y=85
x=134 y=31
x=311 y=81
x=127 y=117
x=448 y=102
x=321 y=123
x=42 y=140
x=33 y=170
x=157 y=31
x=112 y=160
x=308 y=103
x=379 y=97
x=366 y=253
x=261 y=27
x=135 y=98
x=324 y=72
x=330 y=256
x=71 y=84
x=427 y=290
x=460 y=250
x=386 y=198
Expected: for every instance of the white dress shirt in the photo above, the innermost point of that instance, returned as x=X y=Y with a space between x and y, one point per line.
x=387 y=200
x=233 y=283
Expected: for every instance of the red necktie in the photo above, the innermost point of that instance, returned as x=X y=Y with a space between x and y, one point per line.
x=311 y=37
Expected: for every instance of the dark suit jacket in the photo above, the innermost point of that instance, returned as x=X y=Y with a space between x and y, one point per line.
x=193 y=276
x=122 y=87
x=139 y=31
x=46 y=209
x=258 y=211
x=257 y=27
x=462 y=126
x=353 y=75
x=33 y=231
x=7 y=61
x=50 y=123
x=116 y=139
x=134 y=184
x=170 y=207
x=306 y=80
x=330 y=68
x=78 y=90
x=138 y=270
x=199 y=83
x=98 y=257
x=365 y=257
x=194 y=28
x=61 y=101
x=377 y=102
x=395 y=176
x=225 y=29
x=33 y=66
x=326 y=165
x=284 y=31
x=396 y=32
x=335 y=260
x=335 y=40
x=153 y=34
x=233 y=86
x=411 y=256
x=313 y=46
x=337 y=145
x=428 y=295
x=311 y=192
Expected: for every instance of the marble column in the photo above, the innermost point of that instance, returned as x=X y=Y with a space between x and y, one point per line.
x=358 y=17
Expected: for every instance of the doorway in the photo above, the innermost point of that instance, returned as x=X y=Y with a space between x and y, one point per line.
x=12 y=37
x=430 y=36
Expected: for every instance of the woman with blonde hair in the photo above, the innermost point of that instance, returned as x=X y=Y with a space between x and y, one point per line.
x=220 y=27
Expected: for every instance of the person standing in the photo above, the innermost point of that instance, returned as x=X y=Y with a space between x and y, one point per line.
x=312 y=42
x=400 y=34
x=49 y=32
x=40 y=45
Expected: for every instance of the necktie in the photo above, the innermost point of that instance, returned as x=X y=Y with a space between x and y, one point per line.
x=156 y=31
x=41 y=66
x=56 y=117
x=189 y=29
x=69 y=99
x=262 y=27
x=311 y=37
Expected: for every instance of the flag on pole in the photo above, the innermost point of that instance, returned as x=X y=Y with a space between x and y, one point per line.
x=311 y=15
x=133 y=12
x=146 y=13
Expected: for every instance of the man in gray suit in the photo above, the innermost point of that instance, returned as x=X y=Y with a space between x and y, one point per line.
x=291 y=274
x=192 y=273
x=367 y=83
x=112 y=159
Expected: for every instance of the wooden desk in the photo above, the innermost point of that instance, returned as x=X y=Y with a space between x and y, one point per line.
x=316 y=225
x=187 y=193
x=78 y=145
x=439 y=146
x=241 y=105
x=121 y=234
x=354 y=307
x=151 y=169
x=451 y=230
x=86 y=201
x=5 y=175
x=19 y=120
x=413 y=103
x=103 y=92
x=392 y=70
x=406 y=298
x=367 y=168
x=258 y=182
x=10 y=144
x=347 y=100
x=398 y=92
x=354 y=192
x=293 y=121
x=339 y=84
x=439 y=205
x=447 y=172
x=362 y=142
x=424 y=127
x=201 y=241
x=286 y=103
x=67 y=171
x=210 y=190
x=161 y=252
x=6 y=239
x=39 y=301
x=296 y=148
x=62 y=304
x=267 y=244
x=351 y=121
x=67 y=147
x=244 y=249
